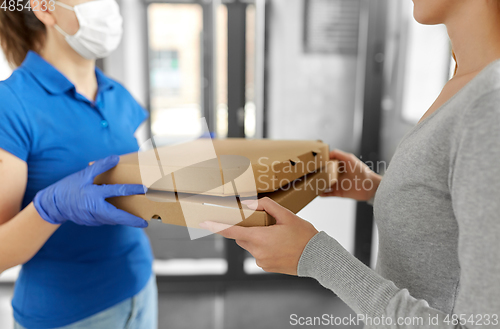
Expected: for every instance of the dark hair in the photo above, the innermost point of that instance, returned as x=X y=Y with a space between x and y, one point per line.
x=20 y=31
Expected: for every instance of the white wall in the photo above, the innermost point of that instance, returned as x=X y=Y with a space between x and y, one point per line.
x=5 y=70
x=128 y=64
x=312 y=96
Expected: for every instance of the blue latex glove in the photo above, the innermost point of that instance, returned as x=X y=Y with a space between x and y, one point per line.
x=76 y=198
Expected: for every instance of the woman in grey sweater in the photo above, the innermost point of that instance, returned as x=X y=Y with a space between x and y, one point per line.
x=437 y=207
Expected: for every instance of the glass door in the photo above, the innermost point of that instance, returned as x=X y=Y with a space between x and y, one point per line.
x=175 y=64
x=188 y=46
x=179 y=40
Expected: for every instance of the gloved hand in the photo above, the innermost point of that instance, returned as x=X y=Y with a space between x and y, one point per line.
x=76 y=198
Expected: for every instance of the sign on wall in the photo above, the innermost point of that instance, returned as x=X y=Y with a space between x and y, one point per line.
x=331 y=26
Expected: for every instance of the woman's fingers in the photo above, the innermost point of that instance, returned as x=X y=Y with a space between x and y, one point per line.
x=101 y=166
x=120 y=217
x=276 y=248
x=114 y=190
x=333 y=190
x=340 y=155
x=332 y=193
x=271 y=207
x=243 y=244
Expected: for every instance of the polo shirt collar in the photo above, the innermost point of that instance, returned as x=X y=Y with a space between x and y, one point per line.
x=54 y=81
x=103 y=82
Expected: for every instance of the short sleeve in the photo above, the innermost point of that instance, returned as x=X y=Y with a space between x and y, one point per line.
x=15 y=136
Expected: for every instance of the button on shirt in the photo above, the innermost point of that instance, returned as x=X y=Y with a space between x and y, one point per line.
x=44 y=121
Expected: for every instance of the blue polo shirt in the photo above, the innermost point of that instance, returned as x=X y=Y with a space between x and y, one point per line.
x=81 y=270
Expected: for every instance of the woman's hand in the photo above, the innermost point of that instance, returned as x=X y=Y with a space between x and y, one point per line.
x=356 y=180
x=276 y=248
x=76 y=198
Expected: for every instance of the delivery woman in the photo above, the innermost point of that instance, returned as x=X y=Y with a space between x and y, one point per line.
x=86 y=263
x=437 y=208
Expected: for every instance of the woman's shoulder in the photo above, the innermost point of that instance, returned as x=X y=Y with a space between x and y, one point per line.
x=485 y=104
x=19 y=74
x=480 y=121
x=19 y=82
x=480 y=97
x=486 y=84
x=9 y=90
x=16 y=93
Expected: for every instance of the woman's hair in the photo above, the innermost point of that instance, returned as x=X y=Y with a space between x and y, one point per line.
x=20 y=31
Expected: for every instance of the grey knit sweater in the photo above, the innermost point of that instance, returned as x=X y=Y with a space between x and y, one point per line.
x=438 y=214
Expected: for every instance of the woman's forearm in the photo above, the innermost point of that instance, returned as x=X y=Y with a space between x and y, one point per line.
x=375 y=298
x=22 y=237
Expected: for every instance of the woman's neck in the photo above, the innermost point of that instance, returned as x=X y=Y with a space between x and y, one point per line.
x=78 y=70
x=475 y=37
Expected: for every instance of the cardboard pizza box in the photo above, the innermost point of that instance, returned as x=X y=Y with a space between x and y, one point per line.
x=189 y=209
x=220 y=167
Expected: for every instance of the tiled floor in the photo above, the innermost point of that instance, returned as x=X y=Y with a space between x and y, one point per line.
x=272 y=308
x=249 y=307
x=236 y=308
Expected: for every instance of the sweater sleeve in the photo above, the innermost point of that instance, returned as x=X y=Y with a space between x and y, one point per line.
x=475 y=191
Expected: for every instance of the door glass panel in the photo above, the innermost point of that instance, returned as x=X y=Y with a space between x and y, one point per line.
x=222 y=72
x=175 y=70
x=175 y=45
x=250 y=73
x=221 y=45
x=250 y=266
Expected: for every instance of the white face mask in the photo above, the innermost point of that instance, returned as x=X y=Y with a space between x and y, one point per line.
x=100 y=28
